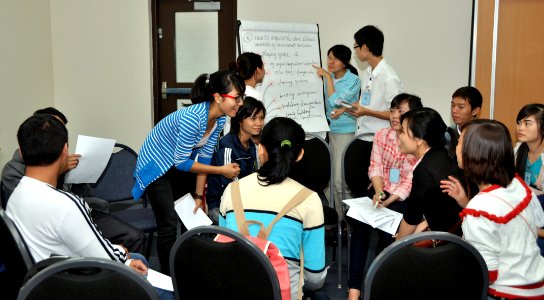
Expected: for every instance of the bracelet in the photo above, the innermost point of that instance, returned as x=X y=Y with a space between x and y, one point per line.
x=198 y=196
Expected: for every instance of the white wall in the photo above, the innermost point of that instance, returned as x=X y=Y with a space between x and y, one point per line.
x=102 y=68
x=26 y=78
x=426 y=41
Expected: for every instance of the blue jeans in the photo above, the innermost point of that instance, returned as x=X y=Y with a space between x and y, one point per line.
x=163 y=294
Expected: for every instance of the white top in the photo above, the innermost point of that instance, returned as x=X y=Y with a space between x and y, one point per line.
x=53 y=221
x=384 y=84
x=502 y=223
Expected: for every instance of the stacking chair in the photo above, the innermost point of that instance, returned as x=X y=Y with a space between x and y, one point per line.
x=353 y=174
x=14 y=255
x=87 y=278
x=454 y=270
x=204 y=269
x=3 y=198
x=116 y=183
x=315 y=171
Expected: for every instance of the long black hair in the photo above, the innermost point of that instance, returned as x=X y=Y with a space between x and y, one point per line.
x=221 y=82
x=536 y=110
x=343 y=53
x=246 y=64
x=251 y=107
x=283 y=140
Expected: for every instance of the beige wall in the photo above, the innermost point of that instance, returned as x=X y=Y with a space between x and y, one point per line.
x=26 y=79
x=426 y=41
x=102 y=67
x=94 y=57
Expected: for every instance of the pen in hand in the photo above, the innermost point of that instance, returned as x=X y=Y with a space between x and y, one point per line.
x=377 y=202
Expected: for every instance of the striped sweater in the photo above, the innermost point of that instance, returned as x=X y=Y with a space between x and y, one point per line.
x=172 y=143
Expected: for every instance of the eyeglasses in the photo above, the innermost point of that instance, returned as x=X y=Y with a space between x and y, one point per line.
x=238 y=98
x=356 y=46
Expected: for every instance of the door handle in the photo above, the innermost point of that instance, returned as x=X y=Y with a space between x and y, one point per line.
x=165 y=91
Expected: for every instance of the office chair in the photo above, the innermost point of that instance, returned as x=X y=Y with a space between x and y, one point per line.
x=116 y=183
x=354 y=176
x=454 y=270
x=87 y=278
x=204 y=269
x=315 y=171
x=15 y=256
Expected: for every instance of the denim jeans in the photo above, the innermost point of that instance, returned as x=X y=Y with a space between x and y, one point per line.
x=162 y=193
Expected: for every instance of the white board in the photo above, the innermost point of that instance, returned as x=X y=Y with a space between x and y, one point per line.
x=291 y=87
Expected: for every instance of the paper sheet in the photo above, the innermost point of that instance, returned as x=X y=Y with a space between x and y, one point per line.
x=95 y=154
x=382 y=218
x=160 y=280
x=184 y=206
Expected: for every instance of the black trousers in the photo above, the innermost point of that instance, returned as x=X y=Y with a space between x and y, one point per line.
x=360 y=243
x=119 y=232
x=161 y=194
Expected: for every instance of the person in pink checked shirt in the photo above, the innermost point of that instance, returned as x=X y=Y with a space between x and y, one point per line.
x=390 y=173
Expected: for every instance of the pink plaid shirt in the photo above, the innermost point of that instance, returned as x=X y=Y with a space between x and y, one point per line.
x=386 y=156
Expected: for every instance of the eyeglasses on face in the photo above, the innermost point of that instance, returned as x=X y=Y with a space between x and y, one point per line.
x=238 y=99
x=356 y=46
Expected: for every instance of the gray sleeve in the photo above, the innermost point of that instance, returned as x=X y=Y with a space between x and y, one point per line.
x=11 y=175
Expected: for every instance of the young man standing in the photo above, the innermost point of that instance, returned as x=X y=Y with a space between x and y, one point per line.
x=379 y=85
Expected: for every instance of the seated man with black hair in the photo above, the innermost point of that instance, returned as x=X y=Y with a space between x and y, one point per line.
x=112 y=228
x=52 y=221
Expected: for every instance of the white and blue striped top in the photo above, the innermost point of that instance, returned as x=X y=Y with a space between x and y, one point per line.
x=172 y=143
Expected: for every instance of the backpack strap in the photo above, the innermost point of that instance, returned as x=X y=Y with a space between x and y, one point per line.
x=294 y=202
x=238 y=208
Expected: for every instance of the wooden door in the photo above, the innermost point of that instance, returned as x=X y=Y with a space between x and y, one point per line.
x=519 y=57
x=189 y=38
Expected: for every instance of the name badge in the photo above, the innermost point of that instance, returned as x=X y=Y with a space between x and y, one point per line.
x=365 y=98
x=527 y=177
x=394 y=175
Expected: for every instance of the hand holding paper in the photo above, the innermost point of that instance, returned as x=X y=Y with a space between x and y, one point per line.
x=185 y=207
x=363 y=209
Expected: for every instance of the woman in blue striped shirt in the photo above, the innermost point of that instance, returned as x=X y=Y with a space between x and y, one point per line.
x=175 y=157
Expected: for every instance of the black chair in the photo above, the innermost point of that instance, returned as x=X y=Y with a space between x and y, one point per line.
x=115 y=185
x=3 y=198
x=87 y=278
x=353 y=174
x=14 y=255
x=315 y=171
x=454 y=270
x=204 y=269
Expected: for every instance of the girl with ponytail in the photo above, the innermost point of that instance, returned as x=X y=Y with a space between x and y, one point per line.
x=175 y=157
x=266 y=192
x=341 y=84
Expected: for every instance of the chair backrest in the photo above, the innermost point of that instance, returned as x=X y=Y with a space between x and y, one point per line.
x=117 y=180
x=315 y=169
x=204 y=269
x=3 y=198
x=454 y=270
x=352 y=172
x=15 y=256
x=87 y=278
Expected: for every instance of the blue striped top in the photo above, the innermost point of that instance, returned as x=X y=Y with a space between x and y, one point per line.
x=172 y=143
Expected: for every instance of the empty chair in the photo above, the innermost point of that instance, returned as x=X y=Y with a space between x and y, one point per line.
x=116 y=183
x=454 y=270
x=87 y=278
x=204 y=269
x=15 y=257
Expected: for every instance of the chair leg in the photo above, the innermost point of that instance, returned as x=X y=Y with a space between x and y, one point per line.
x=339 y=254
x=149 y=245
